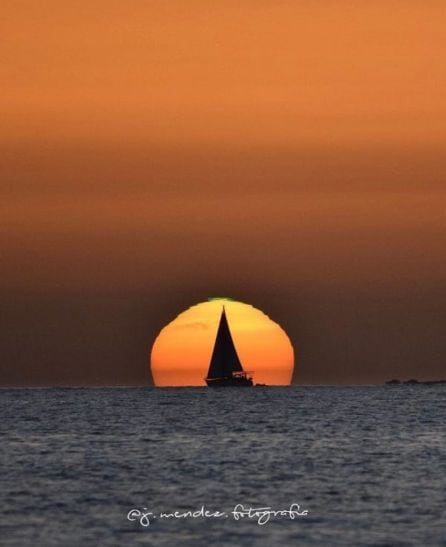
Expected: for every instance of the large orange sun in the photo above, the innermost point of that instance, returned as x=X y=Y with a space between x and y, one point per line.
x=181 y=353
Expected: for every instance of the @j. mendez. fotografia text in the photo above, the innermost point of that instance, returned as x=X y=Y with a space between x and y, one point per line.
x=262 y=515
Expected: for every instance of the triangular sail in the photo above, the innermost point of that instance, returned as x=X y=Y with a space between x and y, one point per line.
x=224 y=360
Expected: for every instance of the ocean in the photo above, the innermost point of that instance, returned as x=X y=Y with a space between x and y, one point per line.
x=296 y=465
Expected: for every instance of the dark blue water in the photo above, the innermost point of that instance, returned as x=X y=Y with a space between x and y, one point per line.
x=368 y=463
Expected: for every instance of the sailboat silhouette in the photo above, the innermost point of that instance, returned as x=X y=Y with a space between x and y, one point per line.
x=225 y=368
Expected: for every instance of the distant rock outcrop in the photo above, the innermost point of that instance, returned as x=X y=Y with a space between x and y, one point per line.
x=412 y=382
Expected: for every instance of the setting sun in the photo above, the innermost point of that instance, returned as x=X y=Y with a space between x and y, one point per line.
x=182 y=351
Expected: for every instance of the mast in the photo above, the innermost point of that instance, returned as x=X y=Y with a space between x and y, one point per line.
x=224 y=360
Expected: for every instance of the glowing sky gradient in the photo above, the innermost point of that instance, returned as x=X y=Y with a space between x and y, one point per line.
x=291 y=154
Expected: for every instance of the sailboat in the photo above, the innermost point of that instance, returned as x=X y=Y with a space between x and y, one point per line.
x=225 y=368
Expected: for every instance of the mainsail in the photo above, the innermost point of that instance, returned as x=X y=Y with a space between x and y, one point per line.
x=224 y=361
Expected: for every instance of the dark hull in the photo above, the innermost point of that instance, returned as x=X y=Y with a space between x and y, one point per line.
x=229 y=382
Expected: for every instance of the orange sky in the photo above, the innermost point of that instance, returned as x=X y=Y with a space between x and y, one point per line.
x=243 y=148
x=226 y=73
